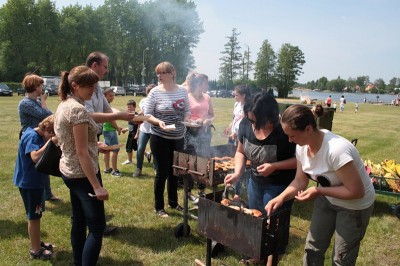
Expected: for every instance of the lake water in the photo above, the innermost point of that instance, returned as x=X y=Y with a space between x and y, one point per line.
x=350 y=97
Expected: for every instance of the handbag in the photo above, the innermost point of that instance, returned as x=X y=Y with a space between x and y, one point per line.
x=49 y=162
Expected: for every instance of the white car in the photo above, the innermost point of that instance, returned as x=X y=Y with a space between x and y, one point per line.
x=118 y=90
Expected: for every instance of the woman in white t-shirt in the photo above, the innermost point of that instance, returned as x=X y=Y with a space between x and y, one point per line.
x=240 y=92
x=344 y=197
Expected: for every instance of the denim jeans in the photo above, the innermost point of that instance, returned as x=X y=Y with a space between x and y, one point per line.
x=142 y=142
x=47 y=188
x=259 y=195
x=163 y=152
x=86 y=212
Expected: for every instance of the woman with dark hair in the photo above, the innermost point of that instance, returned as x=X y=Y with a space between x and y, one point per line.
x=241 y=92
x=344 y=198
x=77 y=135
x=167 y=102
x=262 y=141
x=32 y=112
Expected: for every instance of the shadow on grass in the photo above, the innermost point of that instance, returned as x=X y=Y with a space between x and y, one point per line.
x=157 y=238
x=10 y=229
x=65 y=258
x=383 y=208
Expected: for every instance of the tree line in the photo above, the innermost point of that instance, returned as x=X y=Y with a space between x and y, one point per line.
x=36 y=36
x=272 y=70
x=358 y=84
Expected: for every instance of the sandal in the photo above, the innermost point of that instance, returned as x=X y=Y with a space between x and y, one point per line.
x=42 y=254
x=47 y=246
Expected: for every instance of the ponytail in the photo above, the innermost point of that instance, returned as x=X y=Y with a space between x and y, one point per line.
x=64 y=88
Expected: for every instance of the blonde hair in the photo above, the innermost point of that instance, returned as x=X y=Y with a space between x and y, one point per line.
x=166 y=67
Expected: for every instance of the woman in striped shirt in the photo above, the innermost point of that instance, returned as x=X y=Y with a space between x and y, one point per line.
x=167 y=102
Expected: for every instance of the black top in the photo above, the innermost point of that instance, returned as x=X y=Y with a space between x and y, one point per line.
x=276 y=147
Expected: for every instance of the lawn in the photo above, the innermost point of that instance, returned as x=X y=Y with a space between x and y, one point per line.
x=144 y=239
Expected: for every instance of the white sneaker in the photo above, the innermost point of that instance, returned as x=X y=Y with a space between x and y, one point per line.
x=127 y=162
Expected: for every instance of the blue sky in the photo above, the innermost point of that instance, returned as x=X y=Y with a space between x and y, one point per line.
x=346 y=38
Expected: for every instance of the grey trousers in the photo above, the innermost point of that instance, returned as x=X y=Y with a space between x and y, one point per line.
x=349 y=227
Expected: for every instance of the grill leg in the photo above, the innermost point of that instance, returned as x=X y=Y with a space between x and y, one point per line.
x=185 y=205
x=209 y=248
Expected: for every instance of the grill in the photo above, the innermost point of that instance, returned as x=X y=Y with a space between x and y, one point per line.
x=256 y=237
x=200 y=169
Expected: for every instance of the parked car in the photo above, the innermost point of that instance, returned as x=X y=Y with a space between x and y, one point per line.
x=51 y=90
x=21 y=91
x=212 y=93
x=136 y=90
x=118 y=90
x=5 y=90
x=224 y=94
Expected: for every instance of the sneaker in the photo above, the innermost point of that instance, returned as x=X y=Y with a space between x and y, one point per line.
x=178 y=208
x=137 y=173
x=116 y=173
x=127 y=162
x=148 y=156
x=192 y=197
x=109 y=230
x=162 y=214
x=107 y=171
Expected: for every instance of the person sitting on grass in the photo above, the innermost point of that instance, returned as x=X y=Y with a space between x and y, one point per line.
x=31 y=182
x=132 y=129
x=111 y=138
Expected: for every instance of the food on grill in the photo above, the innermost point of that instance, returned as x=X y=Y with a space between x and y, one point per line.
x=225 y=202
x=254 y=212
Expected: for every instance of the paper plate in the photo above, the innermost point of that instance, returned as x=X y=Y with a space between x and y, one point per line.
x=170 y=127
x=191 y=124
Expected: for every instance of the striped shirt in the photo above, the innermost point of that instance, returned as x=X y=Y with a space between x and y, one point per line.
x=170 y=107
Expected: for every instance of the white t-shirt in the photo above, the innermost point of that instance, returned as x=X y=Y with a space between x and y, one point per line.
x=334 y=153
x=145 y=126
x=237 y=117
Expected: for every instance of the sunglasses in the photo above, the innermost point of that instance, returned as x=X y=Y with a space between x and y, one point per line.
x=321 y=180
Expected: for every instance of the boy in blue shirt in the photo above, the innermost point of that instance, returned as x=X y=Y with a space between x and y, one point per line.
x=31 y=182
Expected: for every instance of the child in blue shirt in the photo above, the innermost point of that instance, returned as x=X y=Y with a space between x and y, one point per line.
x=31 y=182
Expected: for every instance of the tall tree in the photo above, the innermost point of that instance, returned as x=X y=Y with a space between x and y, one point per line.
x=18 y=25
x=48 y=44
x=289 y=66
x=82 y=33
x=265 y=66
x=231 y=61
x=247 y=65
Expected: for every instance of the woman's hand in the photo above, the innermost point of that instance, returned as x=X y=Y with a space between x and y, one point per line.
x=307 y=195
x=230 y=179
x=101 y=193
x=273 y=205
x=102 y=145
x=266 y=169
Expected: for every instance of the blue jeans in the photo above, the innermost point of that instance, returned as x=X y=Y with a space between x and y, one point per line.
x=47 y=188
x=86 y=212
x=142 y=142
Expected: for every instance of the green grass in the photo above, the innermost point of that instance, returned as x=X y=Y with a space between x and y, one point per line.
x=144 y=239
